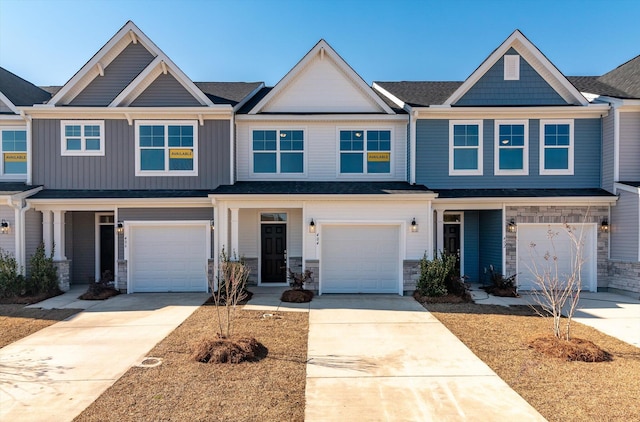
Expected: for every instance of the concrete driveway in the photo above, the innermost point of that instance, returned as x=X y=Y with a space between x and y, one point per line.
x=385 y=358
x=56 y=373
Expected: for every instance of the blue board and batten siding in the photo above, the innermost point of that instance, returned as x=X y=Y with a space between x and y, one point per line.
x=490 y=232
x=492 y=90
x=432 y=159
x=116 y=169
x=120 y=72
x=471 y=245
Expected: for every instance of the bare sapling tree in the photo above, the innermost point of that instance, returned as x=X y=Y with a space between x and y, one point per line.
x=229 y=291
x=556 y=288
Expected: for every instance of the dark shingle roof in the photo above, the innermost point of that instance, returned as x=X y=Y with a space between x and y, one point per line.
x=227 y=92
x=520 y=193
x=592 y=85
x=97 y=194
x=11 y=188
x=625 y=77
x=321 y=188
x=421 y=94
x=19 y=91
x=634 y=184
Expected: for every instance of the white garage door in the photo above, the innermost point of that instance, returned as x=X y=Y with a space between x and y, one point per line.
x=166 y=258
x=360 y=259
x=538 y=234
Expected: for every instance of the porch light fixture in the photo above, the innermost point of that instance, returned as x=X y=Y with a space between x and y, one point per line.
x=212 y=224
x=604 y=227
x=511 y=227
x=312 y=226
x=414 y=226
x=4 y=226
x=120 y=228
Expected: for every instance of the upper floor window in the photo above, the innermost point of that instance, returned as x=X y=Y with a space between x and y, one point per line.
x=556 y=147
x=82 y=137
x=278 y=151
x=358 y=156
x=465 y=147
x=511 y=147
x=166 y=148
x=14 y=151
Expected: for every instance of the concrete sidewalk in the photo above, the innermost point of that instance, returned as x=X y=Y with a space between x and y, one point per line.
x=56 y=373
x=385 y=358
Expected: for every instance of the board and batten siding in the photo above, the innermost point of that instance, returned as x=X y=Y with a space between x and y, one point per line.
x=490 y=225
x=165 y=91
x=32 y=235
x=630 y=146
x=471 y=253
x=116 y=169
x=83 y=246
x=625 y=227
x=322 y=155
x=432 y=158
x=608 y=151
x=120 y=72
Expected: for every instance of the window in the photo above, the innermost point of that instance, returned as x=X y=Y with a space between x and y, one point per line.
x=278 y=151
x=511 y=67
x=166 y=148
x=14 y=151
x=82 y=137
x=465 y=148
x=512 y=147
x=358 y=156
x=556 y=147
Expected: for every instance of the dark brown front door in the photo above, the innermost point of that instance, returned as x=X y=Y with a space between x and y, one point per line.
x=106 y=248
x=274 y=253
x=452 y=241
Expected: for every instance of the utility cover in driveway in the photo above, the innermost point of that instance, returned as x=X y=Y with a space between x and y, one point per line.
x=360 y=259
x=168 y=258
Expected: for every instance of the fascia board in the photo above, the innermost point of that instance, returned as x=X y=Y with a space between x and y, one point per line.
x=79 y=204
x=321 y=117
x=425 y=196
x=590 y=110
x=248 y=97
x=622 y=186
x=8 y=103
x=499 y=201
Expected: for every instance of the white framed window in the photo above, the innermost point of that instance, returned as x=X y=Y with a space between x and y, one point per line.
x=278 y=151
x=82 y=137
x=511 y=152
x=364 y=151
x=511 y=67
x=166 y=148
x=13 y=147
x=465 y=148
x=556 y=147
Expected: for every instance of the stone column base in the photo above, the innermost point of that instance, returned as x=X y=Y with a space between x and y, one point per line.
x=64 y=273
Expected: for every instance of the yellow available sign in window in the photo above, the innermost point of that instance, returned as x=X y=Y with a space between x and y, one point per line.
x=378 y=157
x=15 y=157
x=186 y=154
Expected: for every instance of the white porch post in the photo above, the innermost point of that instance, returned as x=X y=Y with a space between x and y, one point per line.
x=221 y=231
x=47 y=231
x=58 y=235
x=439 y=230
x=233 y=250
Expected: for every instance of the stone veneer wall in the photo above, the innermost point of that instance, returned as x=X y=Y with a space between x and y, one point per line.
x=64 y=274
x=410 y=275
x=252 y=263
x=312 y=265
x=555 y=215
x=122 y=275
x=624 y=276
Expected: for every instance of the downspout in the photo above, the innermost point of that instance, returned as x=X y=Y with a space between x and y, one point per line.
x=20 y=209
x=232 y=149
x=412 y=146
x=616 y=144
x=27 y=119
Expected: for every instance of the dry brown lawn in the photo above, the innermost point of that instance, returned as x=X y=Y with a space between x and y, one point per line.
x=559 y=390
x=181 y=389
x=17 y=322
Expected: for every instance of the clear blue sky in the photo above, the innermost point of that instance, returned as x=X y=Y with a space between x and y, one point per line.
x=46 y=42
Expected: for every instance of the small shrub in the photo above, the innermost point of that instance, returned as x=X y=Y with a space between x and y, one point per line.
x=223 y=350
x=501 y=285
x=12 y=283
x=101 y=289
x=44 y=274
x=435 y=273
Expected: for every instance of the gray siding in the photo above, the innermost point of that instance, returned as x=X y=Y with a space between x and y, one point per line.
x=607 y=151
x=432 y=158
x=165 y=91
x=490 y=224
x=33 y=235
x=83 y=248
x=492 y=89
x=8 y=241
x=625 y=227
x=630 y=146
x=120 y=72
x=116 y=169
x=471 y=245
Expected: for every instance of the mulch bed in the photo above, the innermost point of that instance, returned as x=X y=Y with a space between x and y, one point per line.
x=30 y=299
x=296 y=296
x=501 y=291
x=100 y=294
x=448 y=298
x=181 y=389
x=559 y=389
x=17 y=321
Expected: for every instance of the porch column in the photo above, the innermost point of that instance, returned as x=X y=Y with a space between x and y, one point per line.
x=221 y=232
x=58 y=236
x=233 y=249
x=439 y=230
x=47 y=231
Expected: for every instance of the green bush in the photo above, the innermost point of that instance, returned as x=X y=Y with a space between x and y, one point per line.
x=44 y=274
x=435 y=273
x=12 y=283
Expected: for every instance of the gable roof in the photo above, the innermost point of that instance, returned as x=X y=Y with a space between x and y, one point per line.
x=236 y=94
x=535 y=58
x=96 y=66
x=417 y=93
x=625 y=77
x=15 y=91
x=323 y=50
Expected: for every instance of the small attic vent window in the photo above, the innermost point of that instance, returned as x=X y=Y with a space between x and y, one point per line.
x=512 y=68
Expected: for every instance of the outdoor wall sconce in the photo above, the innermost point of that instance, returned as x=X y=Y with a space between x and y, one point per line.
x=4 y=227
x=604 y=227
x=212 y=224
x=120 y=228
x=511 y=227
x=414 y=226
x=312 y=226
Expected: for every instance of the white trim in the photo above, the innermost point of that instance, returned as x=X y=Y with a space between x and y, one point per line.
x=166 y=171
x=479 y=149
x=570 y=147
x=461 y=224
x=8 y=103
x=259 y=213
x=351 y=117
x=525 y=112
x=217 y=112
x=511 y=64
x=616 y=145
x=83 y=151
x=397 y=101
x=412 y=147
x=14 y=176
x=496 y=149
x=622 y=186
x=365 y=174
x=278 y=174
